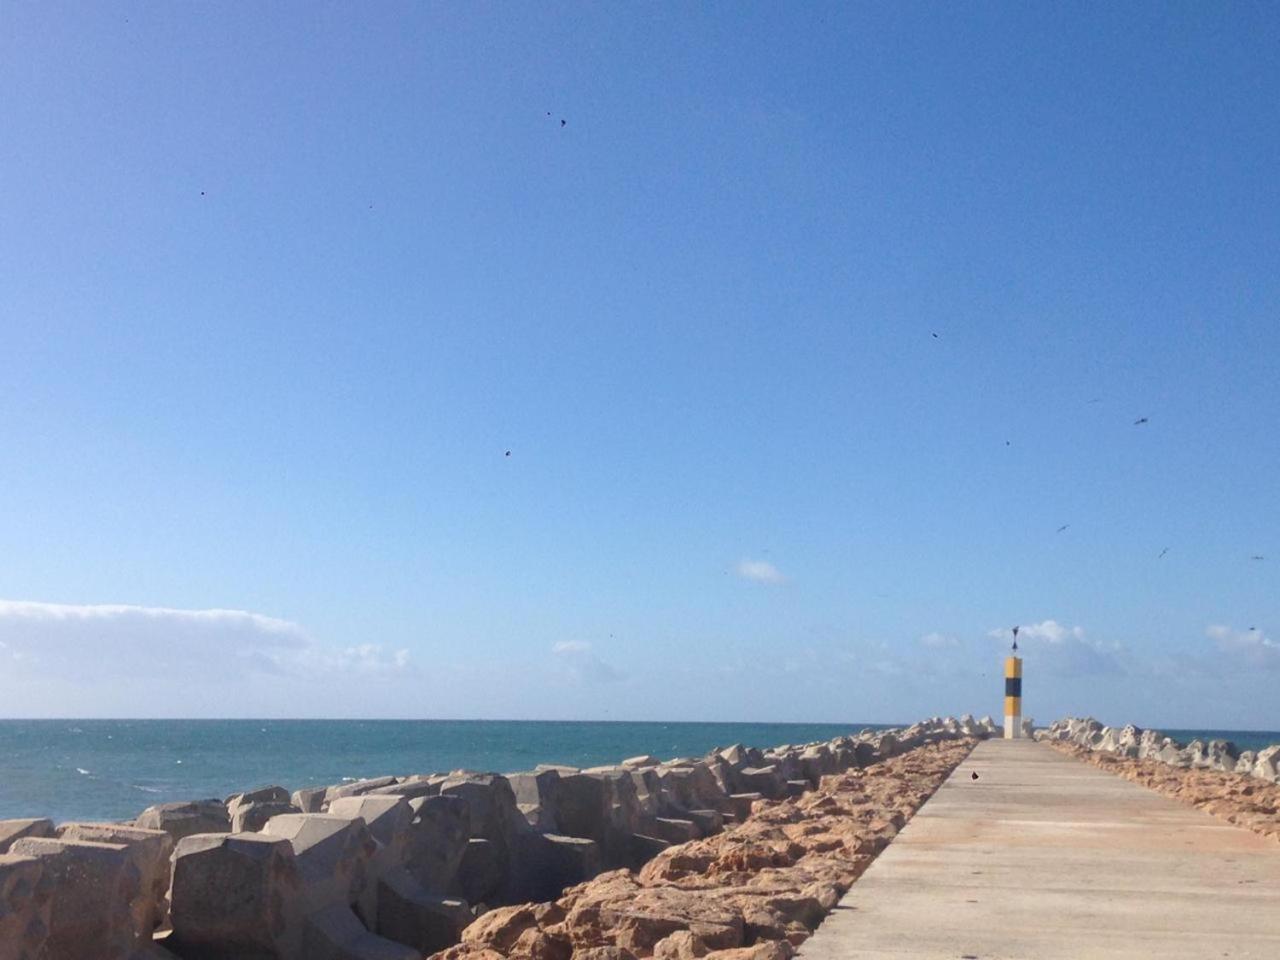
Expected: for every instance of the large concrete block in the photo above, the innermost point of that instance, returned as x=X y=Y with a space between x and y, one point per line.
x=94 y=892
x=335 y=933
x=331 y=853
x=236 y=895
x=437 y=841
x=547 y=863
x=25 y=901
x=536 y=797
x=309 y=799
x=186 y=819
x=11 y=830
x=150 y=851
x=408 y=914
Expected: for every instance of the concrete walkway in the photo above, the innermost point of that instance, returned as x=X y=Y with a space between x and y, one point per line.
x=1045 y=856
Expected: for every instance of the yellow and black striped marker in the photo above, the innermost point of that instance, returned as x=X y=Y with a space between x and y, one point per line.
x=1012 y=698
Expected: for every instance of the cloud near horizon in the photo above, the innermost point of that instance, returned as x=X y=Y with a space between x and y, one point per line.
x=760 y=571
x=1251 y=647
x=579 y=663
x=76 y=642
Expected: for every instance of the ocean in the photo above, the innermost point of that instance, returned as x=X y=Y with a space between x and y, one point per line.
x=113 y=769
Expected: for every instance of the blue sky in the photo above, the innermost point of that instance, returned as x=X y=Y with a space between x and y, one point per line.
x=281 y=285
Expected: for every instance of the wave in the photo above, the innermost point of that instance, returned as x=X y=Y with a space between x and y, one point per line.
x=83 y=772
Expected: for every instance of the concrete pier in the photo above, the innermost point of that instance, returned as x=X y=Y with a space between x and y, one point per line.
x=1044 y=857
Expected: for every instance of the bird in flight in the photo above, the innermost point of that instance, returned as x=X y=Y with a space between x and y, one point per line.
x=1257 y=556
x=1063 y=527
x=507 y=454
x=1140 y=421
x=935 y=336
x=563 y=121
x=1163 y=552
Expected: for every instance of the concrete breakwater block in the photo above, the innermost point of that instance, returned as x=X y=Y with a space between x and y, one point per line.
x=180 y=820
x=14 y=830
x=94 y=892
x=25 y=902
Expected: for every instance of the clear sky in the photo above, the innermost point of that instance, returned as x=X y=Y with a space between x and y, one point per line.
x=806 y=328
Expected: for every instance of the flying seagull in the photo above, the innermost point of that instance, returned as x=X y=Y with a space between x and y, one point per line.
x=563 y=121
x=1163 y=552
x=1257 y=556
x=1063 y=527
x=1140 y=421
x=507 y=454
x=935 y=336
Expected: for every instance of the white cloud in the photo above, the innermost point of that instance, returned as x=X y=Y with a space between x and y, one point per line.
x=761 y=571
x=1065 y=650
x=1051 y=631
x=76 y=642
x=937 y=640
x=581 y=664
x=570 y=646
x=1252 y=648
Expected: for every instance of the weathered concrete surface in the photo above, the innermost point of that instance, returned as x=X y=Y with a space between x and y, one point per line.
x=1044 y=857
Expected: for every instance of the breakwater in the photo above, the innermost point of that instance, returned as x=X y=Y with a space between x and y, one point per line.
x=1135 y=743
x=391 y=868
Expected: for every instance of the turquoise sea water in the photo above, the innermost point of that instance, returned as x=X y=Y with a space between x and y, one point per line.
x=113 y=769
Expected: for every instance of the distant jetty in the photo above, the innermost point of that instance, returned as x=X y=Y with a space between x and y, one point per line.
x=395 y=868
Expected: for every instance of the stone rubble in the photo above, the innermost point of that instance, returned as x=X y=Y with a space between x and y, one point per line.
x=1242 y=788
x=737 y=853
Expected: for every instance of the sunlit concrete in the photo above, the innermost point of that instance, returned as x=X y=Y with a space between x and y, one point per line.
x=1044 y=856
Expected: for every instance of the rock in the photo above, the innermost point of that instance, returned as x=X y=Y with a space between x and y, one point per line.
x=768 y=950
x=181 y=820
x=615 y=909
x=1245 y=762
x=236 y=895
x=150 y=851
x=742 y=803
x=11 y=830
x=95 y=888
x=681 y=945
x=25 y=900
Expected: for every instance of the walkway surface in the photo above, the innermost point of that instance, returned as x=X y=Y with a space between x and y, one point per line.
x=1046 y=857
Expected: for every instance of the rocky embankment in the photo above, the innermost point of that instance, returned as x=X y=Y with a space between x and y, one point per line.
x=753 y=892
x=396 y=868
x=1240 y=787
